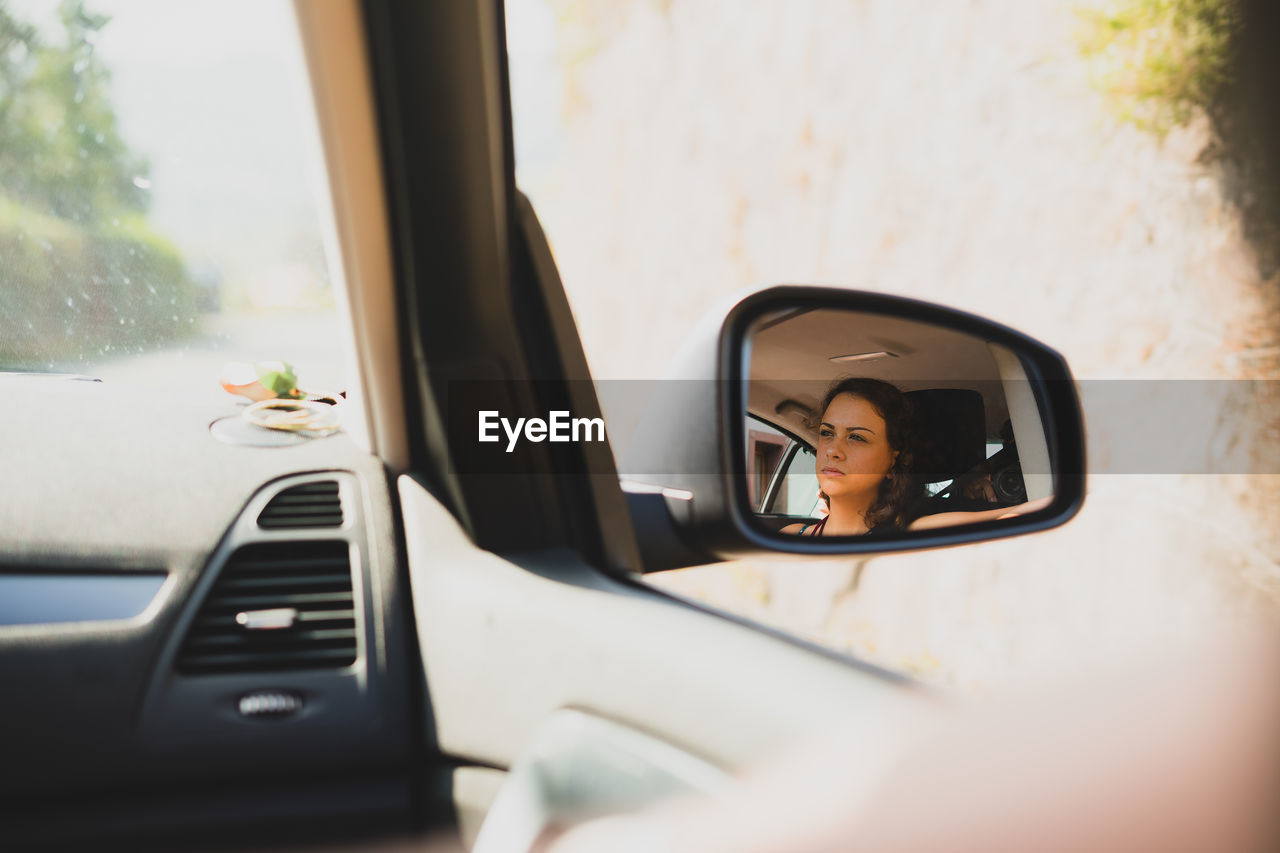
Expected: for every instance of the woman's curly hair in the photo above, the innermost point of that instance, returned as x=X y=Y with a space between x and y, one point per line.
x=902 y=489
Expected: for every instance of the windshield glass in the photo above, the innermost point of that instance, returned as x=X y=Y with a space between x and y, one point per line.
x=157 y=216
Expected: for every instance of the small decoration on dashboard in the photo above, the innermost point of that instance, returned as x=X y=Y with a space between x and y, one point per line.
x=278 y=403
x=309 y=417
x=262 y=380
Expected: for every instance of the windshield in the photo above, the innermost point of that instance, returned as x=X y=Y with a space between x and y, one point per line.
x=157 y=216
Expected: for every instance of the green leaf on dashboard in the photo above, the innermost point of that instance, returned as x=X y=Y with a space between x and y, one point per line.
x=278 y=377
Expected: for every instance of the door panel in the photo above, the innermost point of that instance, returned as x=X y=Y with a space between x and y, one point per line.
x=507 y=641
x=473 y=790
x=579 y=766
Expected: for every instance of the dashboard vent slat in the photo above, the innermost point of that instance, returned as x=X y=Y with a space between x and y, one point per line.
x=306 y=506
x=250 y=662
x=295 y=639
x=316 y=617
x=269 y=602
x=312 y=578
x=284 y=562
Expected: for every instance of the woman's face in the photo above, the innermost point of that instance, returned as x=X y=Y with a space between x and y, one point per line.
x=853 y=449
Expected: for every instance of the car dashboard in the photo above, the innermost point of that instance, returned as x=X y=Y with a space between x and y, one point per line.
x=198 y=635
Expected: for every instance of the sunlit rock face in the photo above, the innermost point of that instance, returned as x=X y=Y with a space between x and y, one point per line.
x=678 y=152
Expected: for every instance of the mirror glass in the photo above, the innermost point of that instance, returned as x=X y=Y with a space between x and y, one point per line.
x=868 y=424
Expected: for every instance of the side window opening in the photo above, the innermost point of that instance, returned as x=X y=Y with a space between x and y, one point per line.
x=766 y=447
x=798 y=494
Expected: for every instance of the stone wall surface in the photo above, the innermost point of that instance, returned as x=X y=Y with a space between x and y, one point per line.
x=953 y=152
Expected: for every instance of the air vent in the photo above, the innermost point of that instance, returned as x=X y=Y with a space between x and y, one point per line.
x=309 y=505
x=275 y=606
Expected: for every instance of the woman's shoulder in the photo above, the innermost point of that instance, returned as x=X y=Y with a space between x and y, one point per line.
x=797 y=528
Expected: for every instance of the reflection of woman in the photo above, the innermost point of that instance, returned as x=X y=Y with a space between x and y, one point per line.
x=866 y=448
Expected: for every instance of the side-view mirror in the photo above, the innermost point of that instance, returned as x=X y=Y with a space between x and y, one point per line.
x=827 y=421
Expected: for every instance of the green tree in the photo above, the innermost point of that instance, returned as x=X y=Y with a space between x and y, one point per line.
x=82 y=273
x=63 y=153
x=1159 y=61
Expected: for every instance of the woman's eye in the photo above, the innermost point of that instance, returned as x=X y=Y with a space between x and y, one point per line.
x=826 y=433
x=856 y=437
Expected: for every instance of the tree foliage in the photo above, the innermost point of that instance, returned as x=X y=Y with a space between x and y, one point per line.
x=1159 y=61
x=81 y=271
x=62 y=152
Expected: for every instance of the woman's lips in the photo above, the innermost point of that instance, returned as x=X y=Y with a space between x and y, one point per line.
x=833 y=472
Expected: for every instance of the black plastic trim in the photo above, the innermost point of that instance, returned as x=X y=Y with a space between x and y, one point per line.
x=342 y=717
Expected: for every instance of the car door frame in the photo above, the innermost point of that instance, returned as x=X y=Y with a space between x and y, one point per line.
x=525 y=590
